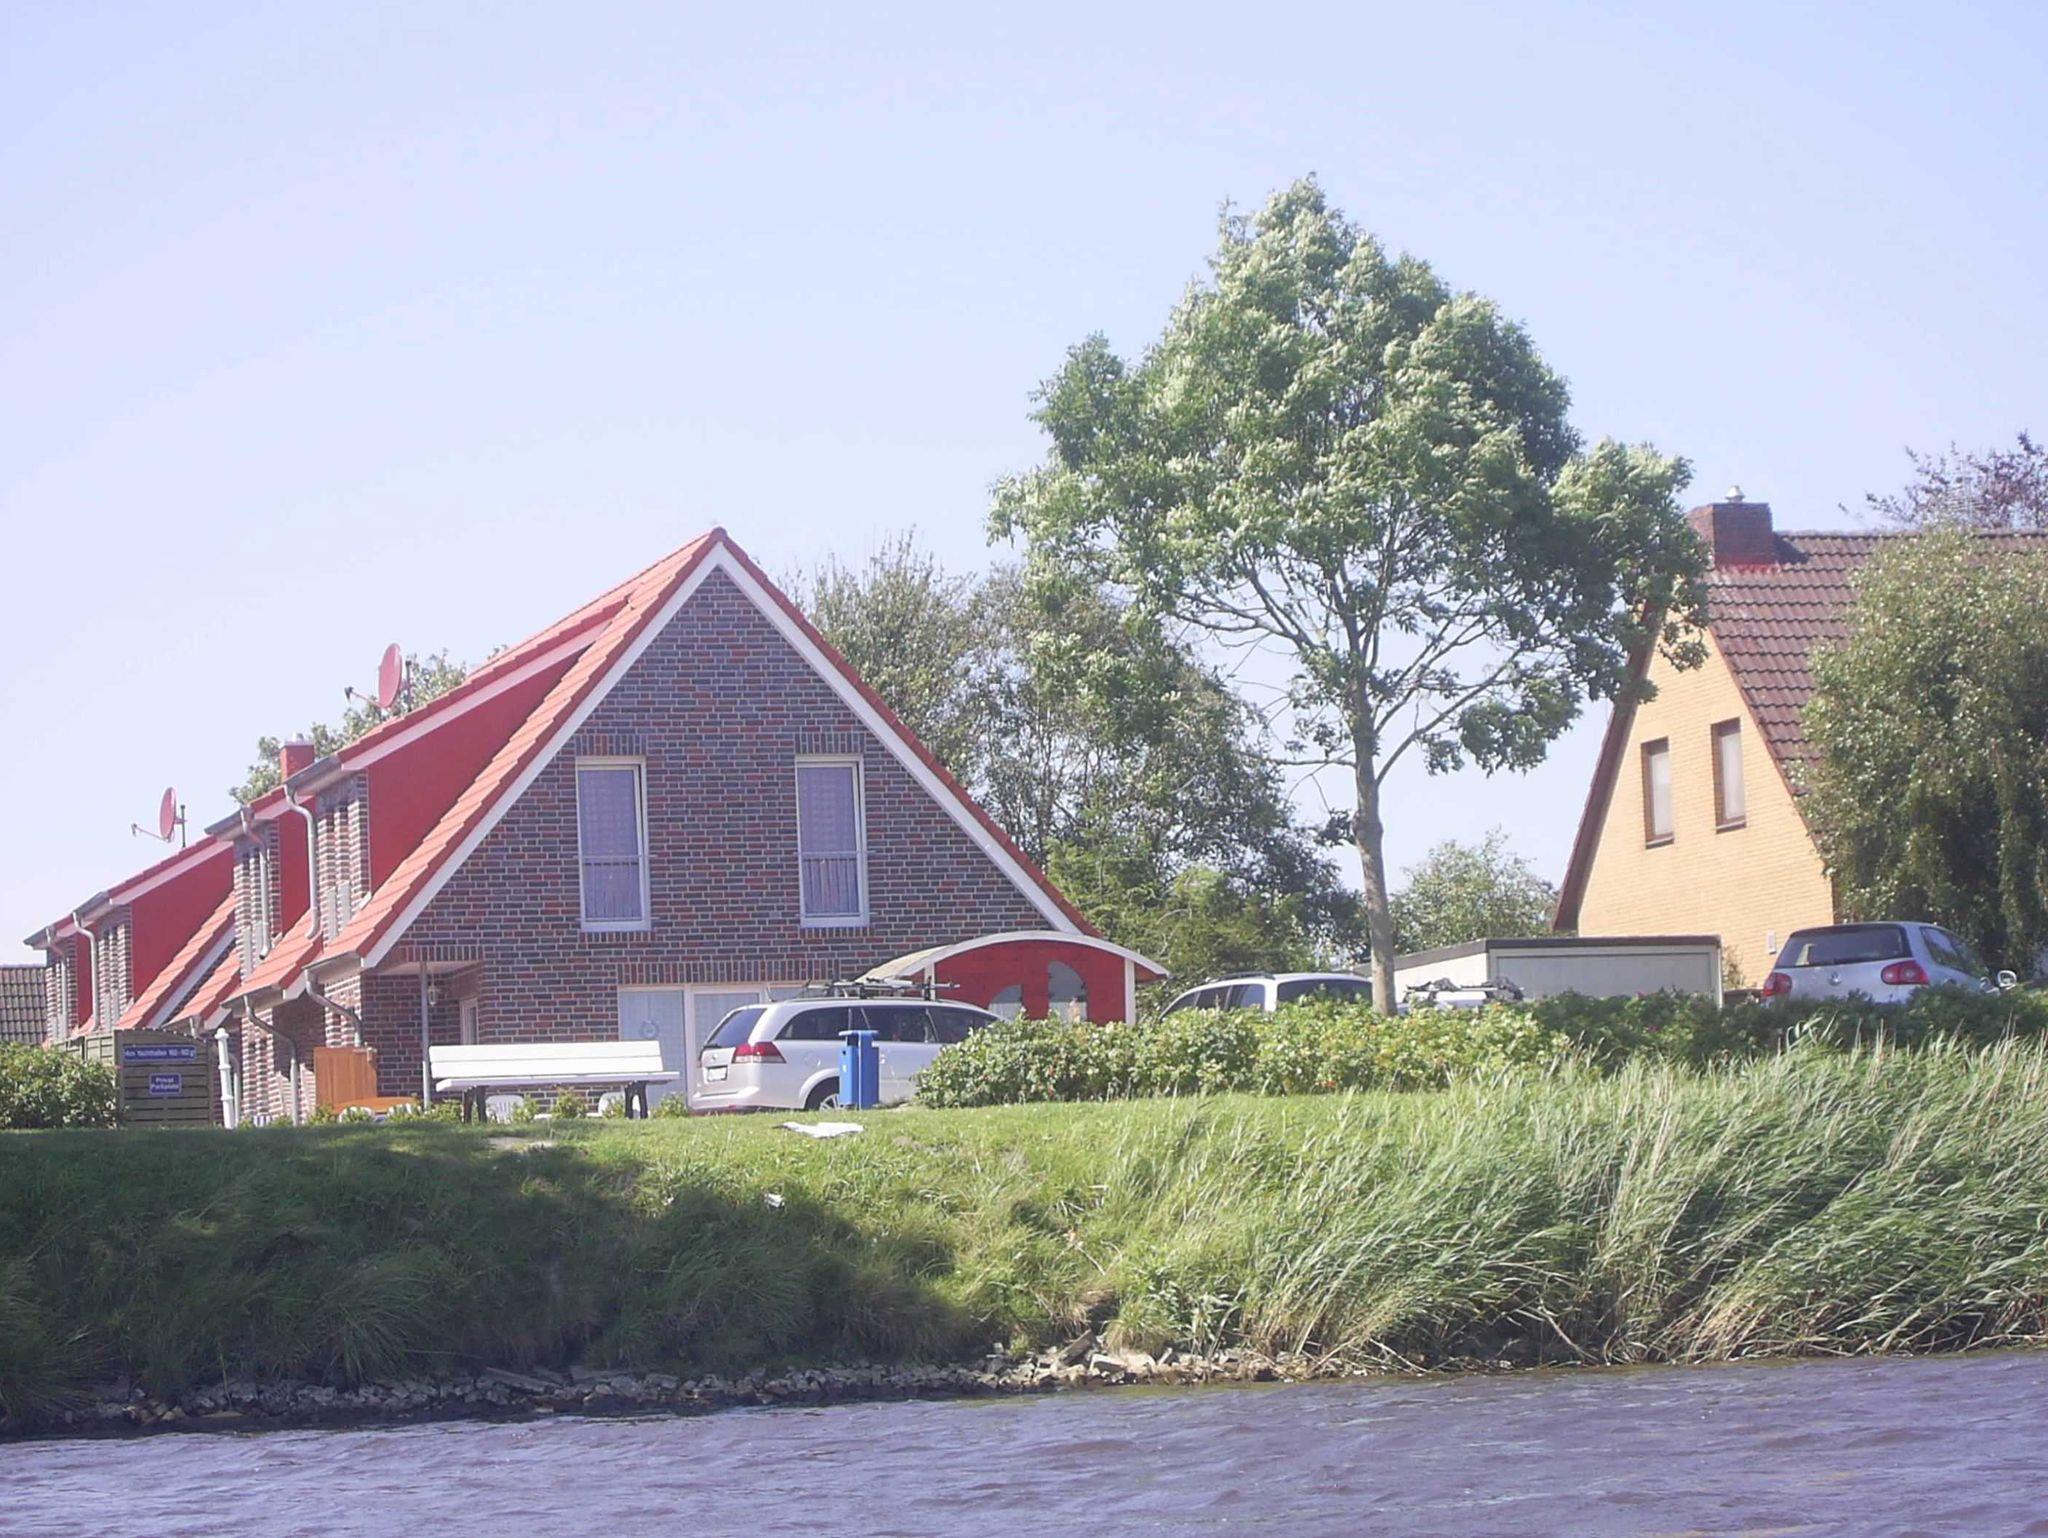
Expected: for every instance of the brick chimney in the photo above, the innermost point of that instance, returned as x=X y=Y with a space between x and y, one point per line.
x=1737 y=533
x=293 y=757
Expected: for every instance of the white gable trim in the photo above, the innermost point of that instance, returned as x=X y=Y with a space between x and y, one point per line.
x=948 y=799
x=494 y=814
x=168 y=1009
x=719 y=558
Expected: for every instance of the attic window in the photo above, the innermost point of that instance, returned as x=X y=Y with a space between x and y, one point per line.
x=1657 y=827
x=611 y=843
x=831 y=837
x=1731 y=803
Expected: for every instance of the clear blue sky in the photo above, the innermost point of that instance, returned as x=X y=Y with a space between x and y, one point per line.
x=328 y=327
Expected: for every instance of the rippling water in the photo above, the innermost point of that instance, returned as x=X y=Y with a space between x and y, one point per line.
x=1942 y=1445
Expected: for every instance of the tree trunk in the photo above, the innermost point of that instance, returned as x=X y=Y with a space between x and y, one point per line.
x=1369 y=834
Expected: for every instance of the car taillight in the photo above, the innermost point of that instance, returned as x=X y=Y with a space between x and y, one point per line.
x=1777 y=985
x=1905 y=974
x=756 y=1052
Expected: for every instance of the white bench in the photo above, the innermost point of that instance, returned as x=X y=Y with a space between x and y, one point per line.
x=511 y=1065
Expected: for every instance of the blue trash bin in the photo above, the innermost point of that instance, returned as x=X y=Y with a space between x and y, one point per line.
x=860 y=1070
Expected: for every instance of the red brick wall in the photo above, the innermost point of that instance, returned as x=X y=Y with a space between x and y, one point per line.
x=719 y=707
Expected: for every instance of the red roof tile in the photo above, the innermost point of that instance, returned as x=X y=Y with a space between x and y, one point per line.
x=182 y=970
x=222 y=983
x=627 y=611
x=1768 y=621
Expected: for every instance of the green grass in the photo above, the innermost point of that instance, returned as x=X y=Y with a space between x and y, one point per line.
x=1814 y=1202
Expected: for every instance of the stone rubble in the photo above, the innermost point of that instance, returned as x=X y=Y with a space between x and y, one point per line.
x=495 y=1391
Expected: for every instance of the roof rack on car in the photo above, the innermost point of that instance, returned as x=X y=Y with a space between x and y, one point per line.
x=876 y=988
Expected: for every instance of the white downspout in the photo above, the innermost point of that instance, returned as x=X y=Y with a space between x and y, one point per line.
x=230 y=1105
x=305 y=810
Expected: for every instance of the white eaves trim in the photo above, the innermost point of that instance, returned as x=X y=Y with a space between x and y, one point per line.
x=719 y=559
x=168 y=1009
x=900 y=750
x=568 y=729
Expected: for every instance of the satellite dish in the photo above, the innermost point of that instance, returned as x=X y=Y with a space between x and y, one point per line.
x=170 y=818
x=390 y=677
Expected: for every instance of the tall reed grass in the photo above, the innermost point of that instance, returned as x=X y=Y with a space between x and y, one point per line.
x=1813 y=1202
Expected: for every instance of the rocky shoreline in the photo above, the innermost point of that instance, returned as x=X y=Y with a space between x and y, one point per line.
x=498 y=1392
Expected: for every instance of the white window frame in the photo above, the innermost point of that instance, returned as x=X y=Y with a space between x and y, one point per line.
x=646 y=919
x=854 y=762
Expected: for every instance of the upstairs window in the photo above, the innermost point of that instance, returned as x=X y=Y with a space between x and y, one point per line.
x=611 y=843
x=1657 y=791
x=831 y=837
x=1731 y=807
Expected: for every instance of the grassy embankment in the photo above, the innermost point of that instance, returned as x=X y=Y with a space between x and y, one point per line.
x=1808 y=1203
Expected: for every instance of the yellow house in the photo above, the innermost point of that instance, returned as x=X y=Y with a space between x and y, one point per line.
x=1692 y=824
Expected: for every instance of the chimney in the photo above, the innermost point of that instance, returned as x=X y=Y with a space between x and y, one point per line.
x=293 y=757
x=1737 y=533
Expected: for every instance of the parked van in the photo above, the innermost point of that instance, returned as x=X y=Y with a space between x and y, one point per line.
x=1269 y=990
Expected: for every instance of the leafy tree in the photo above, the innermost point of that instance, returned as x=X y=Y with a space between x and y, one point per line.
x=429 y=678
x=1110 y=753
x=913 y=630
x=1987 y=489
x=1331 y=456
x=1196 y=922
x=1463 y=892
x=1930 y=796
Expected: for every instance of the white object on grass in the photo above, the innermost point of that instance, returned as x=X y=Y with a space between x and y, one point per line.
x=823 y=1128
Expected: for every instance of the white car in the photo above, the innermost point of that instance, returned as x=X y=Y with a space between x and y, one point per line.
x=785 y=1056
x=1269 y=990
x=1885 y=963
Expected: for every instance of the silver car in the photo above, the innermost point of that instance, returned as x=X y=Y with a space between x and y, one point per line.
x=1885 y=963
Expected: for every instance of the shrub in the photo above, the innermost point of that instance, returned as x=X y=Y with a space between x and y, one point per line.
x=613 y=1109
x=50 y=1087
x=672 y=1106
x=1321 y=1046
x=357 y=1116
x=1300 y=1049
x=525 y=1109
x=570 y=1105
x=322 y=1116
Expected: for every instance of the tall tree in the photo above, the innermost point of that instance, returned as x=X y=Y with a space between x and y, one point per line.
x=914 y=632
x=1094 y=735
x=1997 y=488
x=427 y=678
x=1330 y=455
x=1461 y=892
x=1930 y=796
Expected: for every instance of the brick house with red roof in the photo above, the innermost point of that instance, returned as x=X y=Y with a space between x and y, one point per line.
x=1692 y=823
x=677 y=799
x=126 y=958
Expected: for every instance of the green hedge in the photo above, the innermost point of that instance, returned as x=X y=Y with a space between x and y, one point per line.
x=1301 y=1049
x=43 y=1087
x=1321 y=1046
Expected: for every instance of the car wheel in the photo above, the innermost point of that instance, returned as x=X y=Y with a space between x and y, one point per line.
x=824 y=1098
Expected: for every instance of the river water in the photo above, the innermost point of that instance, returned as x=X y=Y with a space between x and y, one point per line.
x=1939 y=1445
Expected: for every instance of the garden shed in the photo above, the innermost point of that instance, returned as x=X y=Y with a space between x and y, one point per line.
x=1034 y=972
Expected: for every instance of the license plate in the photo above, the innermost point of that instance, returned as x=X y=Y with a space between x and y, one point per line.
x=714 y=1075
